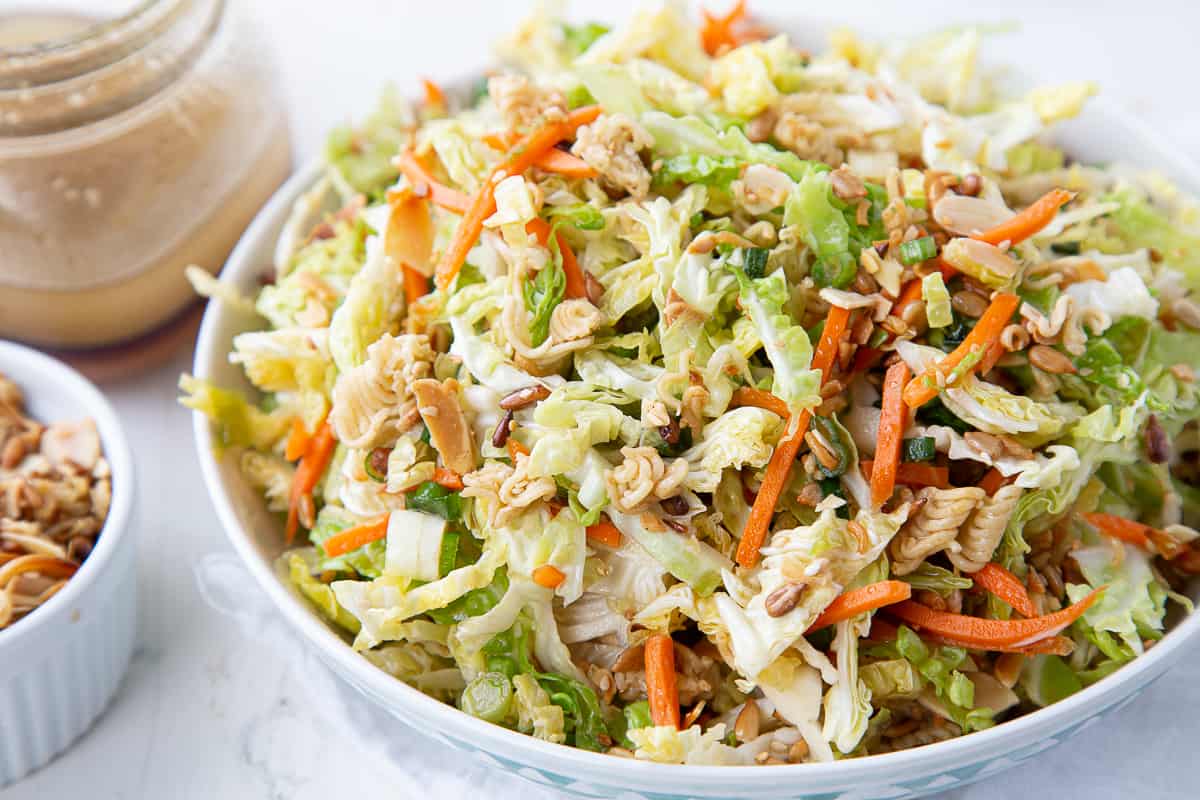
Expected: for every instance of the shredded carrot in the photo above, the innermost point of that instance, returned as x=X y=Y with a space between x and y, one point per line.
x=497 y=141
x=717 y=32
x=483 y=203
x=605 y=532
x=565 y=164
x=308 y=473
x=858 y=601
x=759 y=523
x=354 y=538
x=661 y=689
x=416 y=285
x=993 y=481
x=297 y=441
x=434 y=96
x=515 y=449
x=991 y=358
x=910 y=473
x=1031 y=220
x=447 y=478
x=1126 y=530
x=1008 y=587
x=576 y=286
x=985 y=634
x=884 y=631
x=554 y=159
x=892 y=421
x=749 y=396
x=910 y=293
x=924 y=387
x=549 y=576
x=423 y=181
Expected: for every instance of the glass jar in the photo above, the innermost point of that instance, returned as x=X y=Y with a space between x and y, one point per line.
x=133 y=142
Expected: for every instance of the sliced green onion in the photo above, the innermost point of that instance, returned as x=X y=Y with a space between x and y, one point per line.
x=448 y=556
x=371 y=464
x=755 y=262
x=920 y=448
x=488 y=697
x=917 y=250
x=1065 y=248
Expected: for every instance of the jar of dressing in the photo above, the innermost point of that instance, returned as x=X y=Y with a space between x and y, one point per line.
x=133 y=143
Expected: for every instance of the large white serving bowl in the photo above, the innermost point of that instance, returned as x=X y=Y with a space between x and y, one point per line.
x=1102 y=134
x=61 y=665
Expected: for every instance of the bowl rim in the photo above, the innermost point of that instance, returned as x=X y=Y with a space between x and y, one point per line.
x=115 y=449
x=387 y=690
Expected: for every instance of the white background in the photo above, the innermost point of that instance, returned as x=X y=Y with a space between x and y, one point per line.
x=208 y=711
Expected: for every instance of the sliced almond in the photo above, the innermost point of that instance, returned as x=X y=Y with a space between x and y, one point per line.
x=965 y=215
x=449 y=431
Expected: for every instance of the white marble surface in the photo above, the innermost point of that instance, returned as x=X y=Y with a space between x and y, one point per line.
x=212 y=710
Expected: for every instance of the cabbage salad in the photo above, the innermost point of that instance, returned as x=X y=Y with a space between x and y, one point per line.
x=680 y=394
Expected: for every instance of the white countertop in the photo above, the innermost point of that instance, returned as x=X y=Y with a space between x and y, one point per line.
x=208 y=711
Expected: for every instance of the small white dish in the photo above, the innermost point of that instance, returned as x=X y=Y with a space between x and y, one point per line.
x=61 y=665
x=1104 y=133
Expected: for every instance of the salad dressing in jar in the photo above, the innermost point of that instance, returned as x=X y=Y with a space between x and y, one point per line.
x=130 y=147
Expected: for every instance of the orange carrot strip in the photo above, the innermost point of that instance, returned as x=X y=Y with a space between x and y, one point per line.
x=447 y=478
x=356 y=537
x=549 y=576
x=515 y=449
x=1008 y=587
x=924 y=387
x=988 y=633
x=913 y=474
x=416 y=285
x=605 y=532
x=297 y=441
x=1137 y=534
x=497 y=140
x=989 y=360
x=1031 y=220
x=575 y=285
x=993 y=480
x=892 y=420
x=717 y=32
x=564 y=163
x=483 y=203
x=434 y=96
x=749 y=396
x=759 y=523
x=421 y=179
x=1126 y=530
x=660 y=680
x=884 y=631
x=910 y=293
x=308 y=473
x=858 y=601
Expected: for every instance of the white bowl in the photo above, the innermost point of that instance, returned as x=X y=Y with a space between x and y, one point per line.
x=1102 y=134
x=61 y=665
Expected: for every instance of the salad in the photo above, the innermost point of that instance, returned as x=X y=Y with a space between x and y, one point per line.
x=679 y=394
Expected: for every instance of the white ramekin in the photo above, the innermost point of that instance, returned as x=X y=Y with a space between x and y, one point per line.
x=61 y=665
